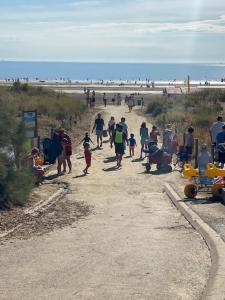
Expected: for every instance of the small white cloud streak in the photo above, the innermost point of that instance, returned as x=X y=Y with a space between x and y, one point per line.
x=210 y=26
x=85 y=3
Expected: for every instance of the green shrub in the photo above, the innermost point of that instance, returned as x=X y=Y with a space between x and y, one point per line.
x=156 y=107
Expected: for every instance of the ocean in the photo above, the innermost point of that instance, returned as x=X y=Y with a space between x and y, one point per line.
x=110 y=71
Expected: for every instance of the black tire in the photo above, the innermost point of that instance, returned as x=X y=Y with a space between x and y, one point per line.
x=168 y=169
x=159 y=167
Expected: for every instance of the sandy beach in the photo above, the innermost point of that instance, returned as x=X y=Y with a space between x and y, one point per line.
x=123 y=87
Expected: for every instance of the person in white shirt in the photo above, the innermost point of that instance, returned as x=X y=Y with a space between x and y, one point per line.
x=216 y=128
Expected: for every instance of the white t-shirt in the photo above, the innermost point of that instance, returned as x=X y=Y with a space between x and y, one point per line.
x=215 y=129
x=124 y=126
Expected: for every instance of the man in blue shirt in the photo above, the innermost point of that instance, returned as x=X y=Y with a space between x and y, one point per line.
x=220 y=138
x=98 y=126
x=220 y=143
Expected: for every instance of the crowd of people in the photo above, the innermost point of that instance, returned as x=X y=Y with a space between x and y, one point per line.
x=120 y=138
x=116 y=99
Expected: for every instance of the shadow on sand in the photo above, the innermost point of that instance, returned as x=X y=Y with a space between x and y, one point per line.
x=205 y=200
x=111 y=169
x=109 y=159
x=96 y=149
x=51 y=177
x=138 y=159
x=80 y=157
x=80 y=176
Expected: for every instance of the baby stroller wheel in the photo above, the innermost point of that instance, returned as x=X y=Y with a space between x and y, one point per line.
x=216 y=190
x=190 y=191
x=159 y=167
x=148 y=167
x=168 y=169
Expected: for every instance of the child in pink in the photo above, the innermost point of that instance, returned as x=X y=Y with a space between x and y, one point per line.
x=87 y=155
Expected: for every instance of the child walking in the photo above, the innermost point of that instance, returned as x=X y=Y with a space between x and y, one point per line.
x=132 y=143
x=86 y=139
x=87 y=155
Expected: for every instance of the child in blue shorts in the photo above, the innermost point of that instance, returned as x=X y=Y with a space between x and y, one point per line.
x=132 y=144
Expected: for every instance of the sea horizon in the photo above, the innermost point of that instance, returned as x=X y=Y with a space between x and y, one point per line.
x=58 y=70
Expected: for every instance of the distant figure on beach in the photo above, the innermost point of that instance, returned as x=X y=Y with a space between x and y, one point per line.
x=130 y=103
x=144 y=137
x=118 y=99
x=142 y=102
x=98 y=126
x=104 y=99
x=87 y=155
x=113 y=99
x=93 y=99
x=88 y=97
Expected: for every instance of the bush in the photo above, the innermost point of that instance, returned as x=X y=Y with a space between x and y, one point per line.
x=198 y=109
x=156 y=107
x=16 y=179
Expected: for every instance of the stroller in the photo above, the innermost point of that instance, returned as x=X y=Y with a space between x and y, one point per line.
x=158 y=156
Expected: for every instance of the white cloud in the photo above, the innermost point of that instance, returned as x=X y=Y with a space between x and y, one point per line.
x=86 y=3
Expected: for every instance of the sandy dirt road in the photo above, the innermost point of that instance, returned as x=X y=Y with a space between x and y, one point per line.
x=135 y=244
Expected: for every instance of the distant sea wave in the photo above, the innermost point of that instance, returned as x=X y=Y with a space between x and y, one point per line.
x=110 y=71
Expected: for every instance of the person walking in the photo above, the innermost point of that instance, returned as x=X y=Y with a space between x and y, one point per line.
x=111 y=129
x=119 y=99
x=98 y=126
x=130 y=103
x=65 y=156
x=93 y=99
x=104 y=99
x=87 y=155
x=154 y=134
x=132 y=144
x=167 y=138
x=189 y=141
x=215 y=129
x=144 y=137
x=120 y=138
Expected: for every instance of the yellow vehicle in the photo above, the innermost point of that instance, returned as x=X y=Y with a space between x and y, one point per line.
x=213 y=179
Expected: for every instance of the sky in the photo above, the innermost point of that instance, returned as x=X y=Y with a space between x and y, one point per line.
x=113 y=30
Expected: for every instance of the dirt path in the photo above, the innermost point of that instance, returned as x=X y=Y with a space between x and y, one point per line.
x=135 y=244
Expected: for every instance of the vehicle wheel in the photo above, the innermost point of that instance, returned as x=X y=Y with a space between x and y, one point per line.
x=148 y=167
x=216 y=190
x=159 y=167
x=168 y=168
x=190 y=191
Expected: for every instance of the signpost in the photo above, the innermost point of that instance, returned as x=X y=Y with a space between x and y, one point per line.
x=30 y=125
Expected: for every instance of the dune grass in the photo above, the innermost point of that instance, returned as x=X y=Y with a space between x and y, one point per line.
x=54 y=110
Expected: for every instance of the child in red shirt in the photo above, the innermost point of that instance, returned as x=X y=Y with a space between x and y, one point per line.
x=87 y=155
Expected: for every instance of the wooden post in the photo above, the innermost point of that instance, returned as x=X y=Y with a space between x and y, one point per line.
x=188 y=83
x=196 y=153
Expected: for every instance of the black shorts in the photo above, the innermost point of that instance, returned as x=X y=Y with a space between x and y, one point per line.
x=68 y=153
x=119 y=149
